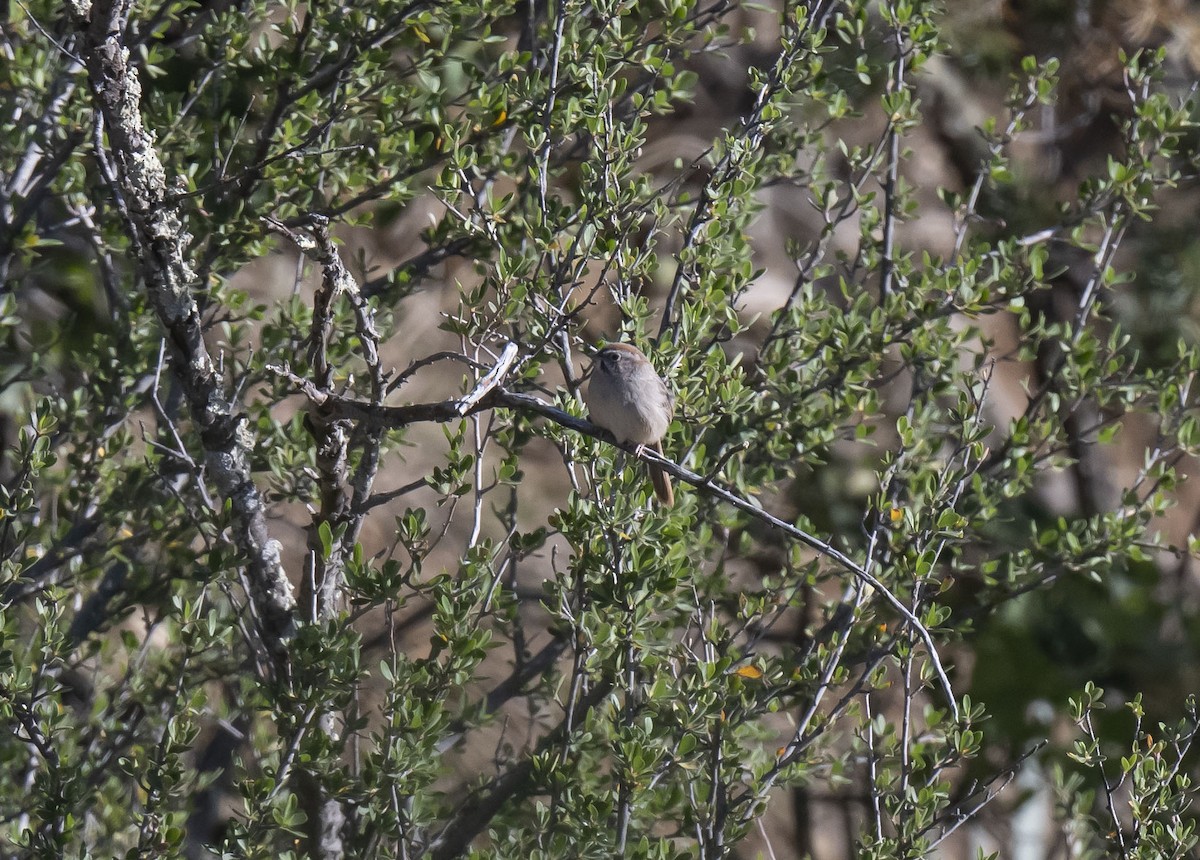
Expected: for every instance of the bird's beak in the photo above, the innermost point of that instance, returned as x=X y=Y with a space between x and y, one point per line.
x=591 y=353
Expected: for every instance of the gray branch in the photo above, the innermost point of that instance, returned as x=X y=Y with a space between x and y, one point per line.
x=374 y=415
x=159 y=242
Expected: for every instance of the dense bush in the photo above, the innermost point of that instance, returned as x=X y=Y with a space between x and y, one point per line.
x=307 y=546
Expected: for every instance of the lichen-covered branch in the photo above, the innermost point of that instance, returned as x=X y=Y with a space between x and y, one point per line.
x=159 y=245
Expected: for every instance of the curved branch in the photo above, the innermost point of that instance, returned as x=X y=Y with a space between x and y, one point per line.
x=450 y=410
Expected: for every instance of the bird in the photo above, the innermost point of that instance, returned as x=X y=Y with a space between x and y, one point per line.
x=628 y=398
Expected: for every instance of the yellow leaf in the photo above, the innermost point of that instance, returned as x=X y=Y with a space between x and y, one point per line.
x=751 y=672
x=895 y=515
x=420 y=34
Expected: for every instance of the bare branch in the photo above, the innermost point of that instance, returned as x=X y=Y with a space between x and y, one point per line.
x=450 y=410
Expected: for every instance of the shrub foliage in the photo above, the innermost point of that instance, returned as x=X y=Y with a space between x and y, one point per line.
x=928 y=443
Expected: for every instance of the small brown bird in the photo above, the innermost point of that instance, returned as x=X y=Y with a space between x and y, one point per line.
x=630 y=400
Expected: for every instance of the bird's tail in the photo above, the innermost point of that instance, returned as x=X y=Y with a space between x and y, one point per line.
x=661 y=481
